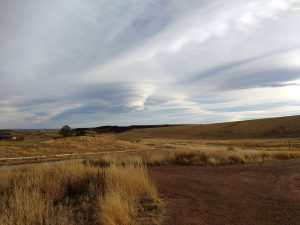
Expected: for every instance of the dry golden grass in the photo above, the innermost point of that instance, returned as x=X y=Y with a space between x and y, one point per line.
x=257 y=144
x=39 y=143
x=248 y=150
x=227 y=156
x=36 y=147
x=77 y=194
x=128 y=191
x=282 y=132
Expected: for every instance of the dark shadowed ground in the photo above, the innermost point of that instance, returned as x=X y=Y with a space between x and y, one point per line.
x=259 y=194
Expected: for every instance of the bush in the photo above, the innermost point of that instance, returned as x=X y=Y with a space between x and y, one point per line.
x=66 y=131
x=80 y=132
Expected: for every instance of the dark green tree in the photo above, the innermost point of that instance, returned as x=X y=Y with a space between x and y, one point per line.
x=66 y=131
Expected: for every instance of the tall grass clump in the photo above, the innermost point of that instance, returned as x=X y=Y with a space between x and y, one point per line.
x=75 y=194
x=130 y=196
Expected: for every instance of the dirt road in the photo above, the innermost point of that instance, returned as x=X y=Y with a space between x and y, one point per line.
x=259 y=194
x=29 y=161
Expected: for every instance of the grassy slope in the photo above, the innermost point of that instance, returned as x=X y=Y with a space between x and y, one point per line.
x=281 y=127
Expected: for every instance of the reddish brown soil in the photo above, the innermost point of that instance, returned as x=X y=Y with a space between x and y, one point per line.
x=257 y=194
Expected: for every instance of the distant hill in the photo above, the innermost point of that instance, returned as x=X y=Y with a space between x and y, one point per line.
x=280 y=127
x=117 y=129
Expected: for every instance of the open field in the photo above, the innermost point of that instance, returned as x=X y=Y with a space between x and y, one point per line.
x=213 y=179
x=167 y=150
x=208 y=194
x=273 y=134
x=49 y=146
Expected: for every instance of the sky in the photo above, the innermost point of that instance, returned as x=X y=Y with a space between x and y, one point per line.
x=92 y=63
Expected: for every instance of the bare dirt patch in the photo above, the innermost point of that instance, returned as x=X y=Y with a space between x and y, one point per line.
x=260 y=194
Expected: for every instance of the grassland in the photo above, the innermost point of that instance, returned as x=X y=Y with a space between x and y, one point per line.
x=115 y=188
x=217 y=151
x=194 y=157
x=50 y=146
x=78 y=194
x=281 y=127
x=275 y=134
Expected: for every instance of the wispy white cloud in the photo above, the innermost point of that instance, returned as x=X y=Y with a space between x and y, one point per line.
x=136 y=62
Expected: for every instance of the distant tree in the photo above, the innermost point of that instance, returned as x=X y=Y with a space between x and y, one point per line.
x=66 y=131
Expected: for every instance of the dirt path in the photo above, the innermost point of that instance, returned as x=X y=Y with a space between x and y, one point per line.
x=29 y=161
x=259 y=194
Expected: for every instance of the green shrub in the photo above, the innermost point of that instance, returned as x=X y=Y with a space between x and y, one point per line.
x=66 y=131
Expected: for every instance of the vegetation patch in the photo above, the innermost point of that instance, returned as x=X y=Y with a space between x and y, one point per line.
x=195 y=157
x=78 y=194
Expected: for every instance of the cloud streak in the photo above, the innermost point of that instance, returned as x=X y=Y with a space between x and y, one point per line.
x=147 y=62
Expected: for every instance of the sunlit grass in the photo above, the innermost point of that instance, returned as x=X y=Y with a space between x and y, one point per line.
x=75 y=194
x=228 y=156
